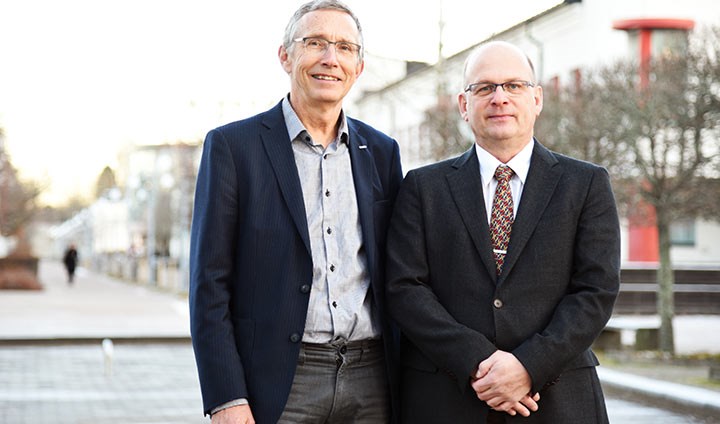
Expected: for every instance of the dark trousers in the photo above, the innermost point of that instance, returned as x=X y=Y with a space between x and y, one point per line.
x=340 y=382
x=496 y=417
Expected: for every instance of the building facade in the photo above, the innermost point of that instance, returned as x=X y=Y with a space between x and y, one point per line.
x=560 y=41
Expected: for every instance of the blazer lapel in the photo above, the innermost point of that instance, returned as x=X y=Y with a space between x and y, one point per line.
x=540 y=185
x=466 y=188
x=363 y=169
x=279 y=150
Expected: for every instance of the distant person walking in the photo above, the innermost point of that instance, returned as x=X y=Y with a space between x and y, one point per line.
x=70 y=260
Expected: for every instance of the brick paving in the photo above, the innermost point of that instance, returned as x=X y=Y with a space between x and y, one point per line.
x=71 y=385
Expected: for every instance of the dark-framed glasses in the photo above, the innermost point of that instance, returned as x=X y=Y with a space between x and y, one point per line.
x=512 y=88
x=319 y=45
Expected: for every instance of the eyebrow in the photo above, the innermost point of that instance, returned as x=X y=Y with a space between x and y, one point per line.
x=328 y=38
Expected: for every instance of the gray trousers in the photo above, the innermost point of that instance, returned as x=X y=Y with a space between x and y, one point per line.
x=340 y=382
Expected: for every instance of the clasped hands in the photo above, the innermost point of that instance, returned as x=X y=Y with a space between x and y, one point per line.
x=502 y=382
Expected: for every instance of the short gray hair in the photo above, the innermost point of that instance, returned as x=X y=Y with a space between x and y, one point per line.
x=312 y=6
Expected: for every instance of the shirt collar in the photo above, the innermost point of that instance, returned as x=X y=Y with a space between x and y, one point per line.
x=520 y=163
x=295 y=127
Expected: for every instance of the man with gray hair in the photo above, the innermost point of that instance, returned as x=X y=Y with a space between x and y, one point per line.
x=287 y=305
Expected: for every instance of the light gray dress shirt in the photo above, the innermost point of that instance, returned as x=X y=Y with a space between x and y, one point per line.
x=340 y=300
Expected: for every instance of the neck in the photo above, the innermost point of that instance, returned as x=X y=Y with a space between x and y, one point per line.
x=504 y=151
x=320 y=122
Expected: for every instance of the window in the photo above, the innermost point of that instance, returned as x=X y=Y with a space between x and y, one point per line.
x=682 y=233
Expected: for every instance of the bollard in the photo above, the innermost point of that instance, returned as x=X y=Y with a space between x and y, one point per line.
x=107 y=348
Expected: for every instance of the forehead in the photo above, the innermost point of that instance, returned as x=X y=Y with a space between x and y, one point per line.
x=498 y=64
x=333 y=24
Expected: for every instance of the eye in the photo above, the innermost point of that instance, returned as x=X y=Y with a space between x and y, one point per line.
x=314 y=43
x=512 y=86
x=485 y=89
x=344 y=47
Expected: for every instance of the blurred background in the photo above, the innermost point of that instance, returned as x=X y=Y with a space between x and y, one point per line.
x=104 y=106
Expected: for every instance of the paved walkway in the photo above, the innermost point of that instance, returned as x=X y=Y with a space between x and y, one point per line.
x=96 y=307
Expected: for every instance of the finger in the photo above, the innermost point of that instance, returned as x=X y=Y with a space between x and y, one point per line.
x=481 y=371
x=520 y=409
x=529 y=403
x=481 y=388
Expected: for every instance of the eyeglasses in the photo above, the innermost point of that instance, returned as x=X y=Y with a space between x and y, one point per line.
x=319 y=45
x=511 y=88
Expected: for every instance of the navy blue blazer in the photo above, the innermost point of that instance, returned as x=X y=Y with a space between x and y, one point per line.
x=250 y=260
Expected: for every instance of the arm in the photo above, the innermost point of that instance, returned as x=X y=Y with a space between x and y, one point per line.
x=212 y=253
x=594 y=280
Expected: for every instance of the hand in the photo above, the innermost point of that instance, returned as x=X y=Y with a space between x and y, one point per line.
x=502 y=382
x=525 y=406
x=240 y=414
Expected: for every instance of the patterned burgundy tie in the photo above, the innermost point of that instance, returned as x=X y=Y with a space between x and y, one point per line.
x=501 y=218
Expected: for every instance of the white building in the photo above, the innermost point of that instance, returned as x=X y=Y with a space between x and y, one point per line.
x=560 y=41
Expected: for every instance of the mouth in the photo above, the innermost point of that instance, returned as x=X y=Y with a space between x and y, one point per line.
x=323 y=77
x=500 y=117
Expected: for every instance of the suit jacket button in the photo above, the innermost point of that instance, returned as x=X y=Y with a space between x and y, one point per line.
x=497 y=303
x=305 y=288
x=294 y=337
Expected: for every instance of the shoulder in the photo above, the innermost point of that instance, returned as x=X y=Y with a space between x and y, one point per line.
x=369 y=133
x=443 y=167
x=264 y=119
x=247 y=133
x=541 y=152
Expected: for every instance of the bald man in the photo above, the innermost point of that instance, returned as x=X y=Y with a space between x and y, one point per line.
x=503 y=266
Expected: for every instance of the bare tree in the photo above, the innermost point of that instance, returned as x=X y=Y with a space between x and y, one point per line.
x=17 y=203
x=659 y=135
x=442 y=124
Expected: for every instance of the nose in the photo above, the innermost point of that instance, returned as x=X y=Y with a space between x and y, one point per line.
x=499 y=95
x=330 y=55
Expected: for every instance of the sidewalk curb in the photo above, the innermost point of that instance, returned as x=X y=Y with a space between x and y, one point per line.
x=690 y=398
x=90 y=340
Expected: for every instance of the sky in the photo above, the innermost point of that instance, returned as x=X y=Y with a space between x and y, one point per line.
x=80 y=80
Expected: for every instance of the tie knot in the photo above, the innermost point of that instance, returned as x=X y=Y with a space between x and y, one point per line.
x=503 y=173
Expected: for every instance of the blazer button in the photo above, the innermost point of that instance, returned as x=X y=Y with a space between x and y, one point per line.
x=294 y=337
x=497 y=303
x=305 y=288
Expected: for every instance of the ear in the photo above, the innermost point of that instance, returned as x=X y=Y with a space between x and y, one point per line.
x=463 y=106
x=285 y=60
x=360 y=68
x=538 y=96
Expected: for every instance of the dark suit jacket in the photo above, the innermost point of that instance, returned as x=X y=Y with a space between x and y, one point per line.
x=250 y=260
x=554 y=296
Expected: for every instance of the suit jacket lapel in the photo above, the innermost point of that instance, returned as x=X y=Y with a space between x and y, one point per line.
x=363 y=167
x=466 y=188
x=279 y=150
x=540 y=185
